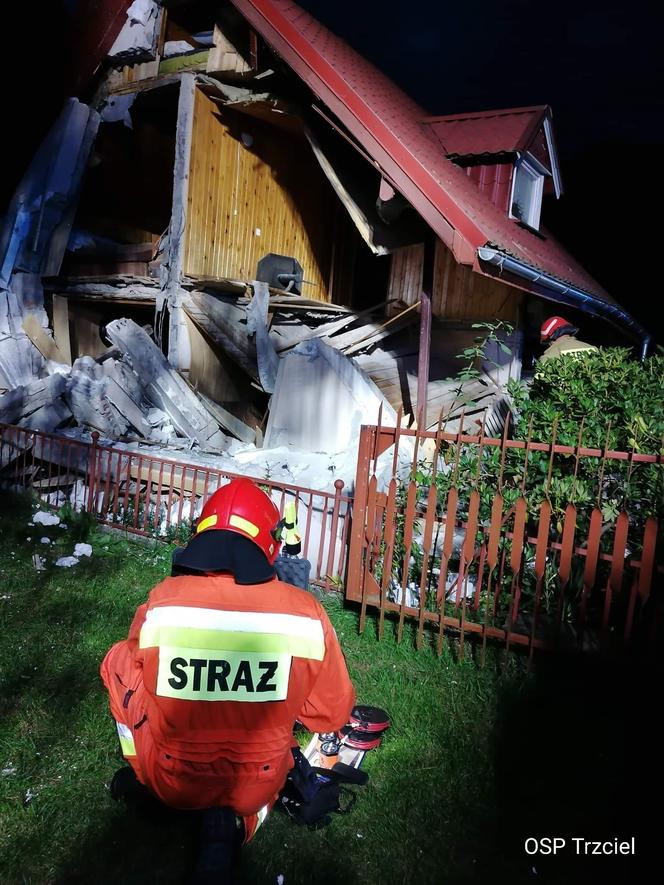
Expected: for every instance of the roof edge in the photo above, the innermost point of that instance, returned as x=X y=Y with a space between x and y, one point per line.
x=565 y=293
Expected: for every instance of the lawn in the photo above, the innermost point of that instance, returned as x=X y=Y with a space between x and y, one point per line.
x=477 y=759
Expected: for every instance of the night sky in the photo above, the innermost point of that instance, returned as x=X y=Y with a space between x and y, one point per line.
x=596 y=63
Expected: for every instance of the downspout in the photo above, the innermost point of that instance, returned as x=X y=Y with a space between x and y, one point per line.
x=565 y=293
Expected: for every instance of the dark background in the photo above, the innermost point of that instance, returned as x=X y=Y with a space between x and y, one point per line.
x=597 y=64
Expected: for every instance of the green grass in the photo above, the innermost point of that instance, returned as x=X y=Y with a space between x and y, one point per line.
x=476 y=760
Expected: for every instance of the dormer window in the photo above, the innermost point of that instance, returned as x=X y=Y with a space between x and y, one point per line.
x=527 y=190
x=510 y=155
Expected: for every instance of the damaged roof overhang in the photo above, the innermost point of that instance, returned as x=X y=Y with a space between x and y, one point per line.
x=401 y=166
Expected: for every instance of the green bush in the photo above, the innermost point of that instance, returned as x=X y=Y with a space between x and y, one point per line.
x=600 y=400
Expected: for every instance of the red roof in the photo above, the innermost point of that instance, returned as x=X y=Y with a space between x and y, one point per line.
x=388 y=124
x=487 y=132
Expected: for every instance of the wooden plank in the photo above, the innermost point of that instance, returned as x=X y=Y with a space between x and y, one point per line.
x=61 y=327
x=250 y=200
x=43 y=341
x=224 y=56
x=328 y=329
x=389 y=327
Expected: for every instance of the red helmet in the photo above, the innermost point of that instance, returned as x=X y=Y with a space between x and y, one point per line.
x=239 y=531
x=554 y=327
x=241 y=507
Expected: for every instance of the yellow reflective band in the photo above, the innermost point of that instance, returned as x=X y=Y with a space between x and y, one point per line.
x=199 y=674
x=206 y=523
x=126 y=740
x=227 y=640
x=239 y=522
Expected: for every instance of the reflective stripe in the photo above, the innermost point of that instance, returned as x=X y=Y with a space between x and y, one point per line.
x=552 y=322
x=239 y=522
x=218 y=640
x=577 y=349
x=247 y=631
x=206 y=523
x=126 y=739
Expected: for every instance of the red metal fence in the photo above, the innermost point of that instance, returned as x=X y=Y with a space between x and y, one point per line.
x=160 y=497
x=470 y=537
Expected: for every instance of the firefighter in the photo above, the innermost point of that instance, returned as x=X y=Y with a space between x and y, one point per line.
x=219 y=664
x=560 y=335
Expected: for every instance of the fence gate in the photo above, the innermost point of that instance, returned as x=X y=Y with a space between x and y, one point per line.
x=472 y=536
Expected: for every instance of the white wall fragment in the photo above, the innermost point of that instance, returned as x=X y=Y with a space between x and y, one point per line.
x=83 y=549
x=138 y=38
x=41 y=517
x=320 y=400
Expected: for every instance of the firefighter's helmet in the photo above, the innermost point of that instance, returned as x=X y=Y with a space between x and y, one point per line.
x=239 y=531
x=554 y=327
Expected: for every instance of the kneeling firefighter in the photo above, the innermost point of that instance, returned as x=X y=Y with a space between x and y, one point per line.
x=219 y=664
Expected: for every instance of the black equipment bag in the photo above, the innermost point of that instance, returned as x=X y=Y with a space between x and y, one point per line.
x=311 y=795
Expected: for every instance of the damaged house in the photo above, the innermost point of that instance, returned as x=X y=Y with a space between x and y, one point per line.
x=242 y=237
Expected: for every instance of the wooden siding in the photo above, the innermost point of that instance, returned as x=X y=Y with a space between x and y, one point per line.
x=459 y=294
x=245 y=202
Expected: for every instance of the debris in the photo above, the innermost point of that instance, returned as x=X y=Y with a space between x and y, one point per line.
x=83 y=549
x=41 y=517
x=137 y=41
x=48 y=417
x=25 y=399
x=164 y=387
x=38 y=562
x=40 y=215
x=45 y=540
x=9 y=771
x=321 y=399
x=225 y=323
x=268 y=360
x=88 y=399
x=66 y=561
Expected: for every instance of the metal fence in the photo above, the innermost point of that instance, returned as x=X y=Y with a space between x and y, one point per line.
x=154 y=496
x=472 y=538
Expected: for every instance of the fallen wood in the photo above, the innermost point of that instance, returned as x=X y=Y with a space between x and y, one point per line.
x=225 y=324
x=266 y=354
x=395 y=323
x=48 y=418
x=25 y=399
x=327 y=330
x=87 y=398
x=19 y=361
x=55 y=482
x=163 y=386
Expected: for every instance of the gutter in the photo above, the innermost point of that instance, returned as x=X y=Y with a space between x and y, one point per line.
x=565 y=293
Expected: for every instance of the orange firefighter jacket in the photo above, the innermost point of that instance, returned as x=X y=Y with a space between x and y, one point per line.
x=228 y=668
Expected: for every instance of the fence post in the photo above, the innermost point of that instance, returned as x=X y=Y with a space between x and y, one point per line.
x=92 y=472
x=332 y=546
